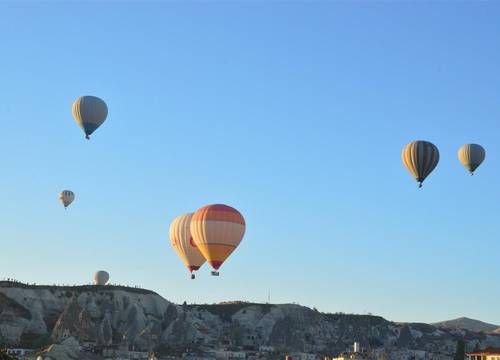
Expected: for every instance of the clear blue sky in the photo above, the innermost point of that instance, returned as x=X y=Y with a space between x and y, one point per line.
x=294 y=113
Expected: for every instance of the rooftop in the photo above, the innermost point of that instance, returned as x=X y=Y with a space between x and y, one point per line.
x=486 y=353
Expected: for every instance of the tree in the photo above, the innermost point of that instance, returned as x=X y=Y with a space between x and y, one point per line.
x=460 y=353
x=30 y=340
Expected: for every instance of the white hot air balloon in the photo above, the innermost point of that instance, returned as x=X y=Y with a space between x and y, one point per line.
x=183 y=244
x=101 y=277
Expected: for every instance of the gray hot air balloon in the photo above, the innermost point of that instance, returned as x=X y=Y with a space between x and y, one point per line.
x=89 y=113
x=471 y=156
x=420 y=158
x=66 y=197
x=101 y=277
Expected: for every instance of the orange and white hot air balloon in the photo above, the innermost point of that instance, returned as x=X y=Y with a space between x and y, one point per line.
x=217 y=230
x=183 y=244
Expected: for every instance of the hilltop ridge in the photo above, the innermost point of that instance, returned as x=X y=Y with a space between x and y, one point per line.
x=466 y=323
x=100 y=317
x=77 y=288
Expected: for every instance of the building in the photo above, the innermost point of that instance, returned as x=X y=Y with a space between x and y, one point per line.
x=355 y=353
x=351 y=356
x=228 y=355
x=484 y=356
x=266 y=348
x=302 y=356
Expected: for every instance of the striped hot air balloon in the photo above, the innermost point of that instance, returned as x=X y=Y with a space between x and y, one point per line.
x=66 y=197
x=217 y=230
x=89 y=113
x=471 y=156
x=420 y=158
x=183 y=244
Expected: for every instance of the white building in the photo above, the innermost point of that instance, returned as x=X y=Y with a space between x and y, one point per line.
x=266 y=348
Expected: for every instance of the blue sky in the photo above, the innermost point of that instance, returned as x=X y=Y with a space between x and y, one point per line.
x=294 y=113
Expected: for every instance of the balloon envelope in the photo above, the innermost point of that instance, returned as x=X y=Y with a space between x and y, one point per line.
x=420 y=158
x=101 y=277
x=471 y=156
x=66 y=197
x=217 y=230
x=183 y=244
x=89 y=113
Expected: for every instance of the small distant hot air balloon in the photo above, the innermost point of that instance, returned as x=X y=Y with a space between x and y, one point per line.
x=420 y=158
x=183 y=244
x=89 y=113
x=66 y=197
x=101 y=277
x=471 y=156
x=217 y=230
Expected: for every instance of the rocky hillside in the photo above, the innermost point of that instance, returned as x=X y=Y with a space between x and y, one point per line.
x=34 y=316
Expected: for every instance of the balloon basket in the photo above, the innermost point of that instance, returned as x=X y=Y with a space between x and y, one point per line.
x=215 y=273
x=193 y=276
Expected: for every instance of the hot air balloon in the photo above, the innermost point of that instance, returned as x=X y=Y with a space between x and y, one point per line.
x=183 y=244
x=66 y=197
x=217 y=230
x=101 y=277
x=420 y=158
x=89 y=113
x=471 y=156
